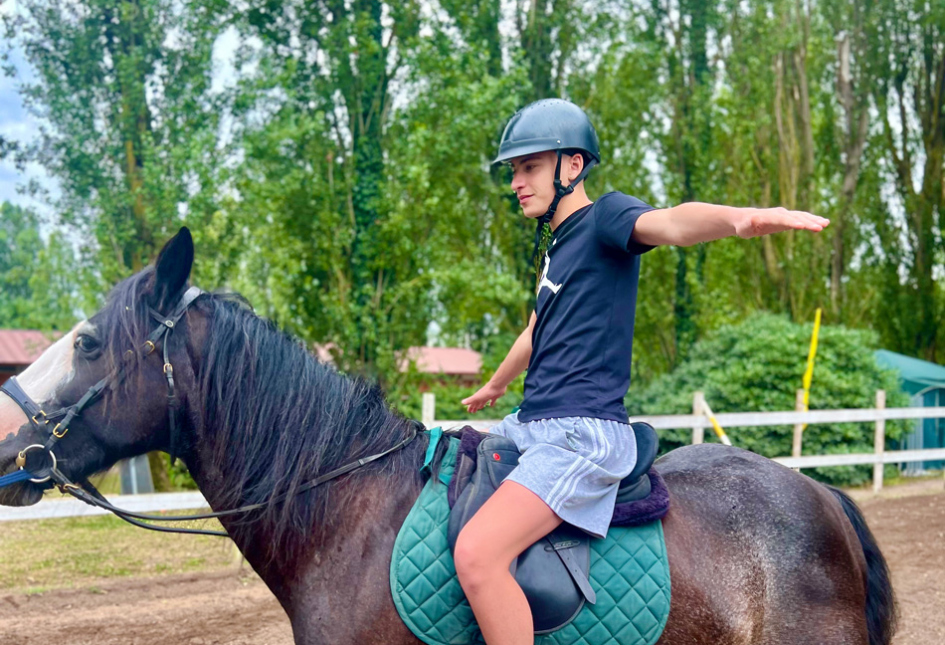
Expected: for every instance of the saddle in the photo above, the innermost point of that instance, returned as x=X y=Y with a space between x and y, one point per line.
x=553 y=572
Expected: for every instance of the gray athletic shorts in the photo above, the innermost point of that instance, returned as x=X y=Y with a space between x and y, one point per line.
x=574 y=464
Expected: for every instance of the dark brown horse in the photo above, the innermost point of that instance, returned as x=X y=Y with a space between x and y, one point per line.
x=758 y=554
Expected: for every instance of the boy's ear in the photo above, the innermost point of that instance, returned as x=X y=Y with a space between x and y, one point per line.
x=172 y=269
x=577 y=163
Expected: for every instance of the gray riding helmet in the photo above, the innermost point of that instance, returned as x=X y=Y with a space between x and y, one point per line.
x=548 y=124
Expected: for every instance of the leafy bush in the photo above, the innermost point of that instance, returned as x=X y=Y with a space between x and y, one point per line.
x=758 y=365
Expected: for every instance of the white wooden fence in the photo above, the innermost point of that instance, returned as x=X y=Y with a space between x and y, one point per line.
x=71 y=507
x=697 y=422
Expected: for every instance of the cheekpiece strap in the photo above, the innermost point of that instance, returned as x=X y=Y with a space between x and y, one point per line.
x=560 y=191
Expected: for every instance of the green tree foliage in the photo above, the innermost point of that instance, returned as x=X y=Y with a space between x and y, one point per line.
x=37 y=287
x=908 y=81
x=381 y=208
x=337 y=172
x=758 y=365
x=129 y=124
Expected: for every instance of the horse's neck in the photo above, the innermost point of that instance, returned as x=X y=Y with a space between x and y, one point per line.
x=337 y=559
x=341 y=591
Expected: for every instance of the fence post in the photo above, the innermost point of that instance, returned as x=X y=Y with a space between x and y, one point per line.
x=798 y=427
x=428 y=412
x=136 y=475
x=698 y=409
x=879 y=443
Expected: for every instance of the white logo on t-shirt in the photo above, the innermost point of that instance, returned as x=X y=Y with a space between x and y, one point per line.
x=545 y=282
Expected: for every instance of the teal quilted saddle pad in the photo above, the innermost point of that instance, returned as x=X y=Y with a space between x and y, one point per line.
x=629 y=573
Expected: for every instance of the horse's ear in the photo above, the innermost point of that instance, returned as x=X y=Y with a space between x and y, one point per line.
x=172 y=268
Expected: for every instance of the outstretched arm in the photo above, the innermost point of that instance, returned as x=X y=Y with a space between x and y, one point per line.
x=695 y=222
x=513 y=365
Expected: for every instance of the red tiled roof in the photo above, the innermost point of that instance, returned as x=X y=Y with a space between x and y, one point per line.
x=445 y=360
x=23 y=346
x=430 y=360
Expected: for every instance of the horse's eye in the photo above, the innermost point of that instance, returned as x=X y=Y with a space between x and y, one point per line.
x=86 y=344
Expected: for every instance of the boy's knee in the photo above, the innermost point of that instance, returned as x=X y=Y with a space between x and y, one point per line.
x=471 y=560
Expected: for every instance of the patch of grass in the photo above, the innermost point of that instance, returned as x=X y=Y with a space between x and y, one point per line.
x=36 y=556
x=893 y=478
x=109 y=482
x=194 y=564
x=900 y=479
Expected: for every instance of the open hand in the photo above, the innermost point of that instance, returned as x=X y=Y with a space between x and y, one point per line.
x=488 y=394
x=764 y=221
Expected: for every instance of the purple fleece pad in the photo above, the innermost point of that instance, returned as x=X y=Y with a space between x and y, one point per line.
x=470 y=441
x=650 y=508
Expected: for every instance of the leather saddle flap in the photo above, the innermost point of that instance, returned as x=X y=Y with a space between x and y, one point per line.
x=553 y=572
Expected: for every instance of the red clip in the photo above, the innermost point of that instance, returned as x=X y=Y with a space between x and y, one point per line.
x=495 y=456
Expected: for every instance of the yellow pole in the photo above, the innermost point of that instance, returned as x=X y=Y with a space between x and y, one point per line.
x=720 y=433
x=809 y=372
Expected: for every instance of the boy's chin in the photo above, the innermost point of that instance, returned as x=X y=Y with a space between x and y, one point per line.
x=532 y=212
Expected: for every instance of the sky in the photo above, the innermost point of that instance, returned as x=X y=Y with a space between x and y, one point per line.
x=18 y=125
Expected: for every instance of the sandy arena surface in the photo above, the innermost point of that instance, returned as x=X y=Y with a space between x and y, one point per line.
x=235 y=608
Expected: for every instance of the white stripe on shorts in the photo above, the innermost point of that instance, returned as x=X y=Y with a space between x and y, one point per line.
x=571 y=482
x=598 y=441
x=560 y=490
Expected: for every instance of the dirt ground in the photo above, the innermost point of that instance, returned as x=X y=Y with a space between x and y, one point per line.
x=235 y=608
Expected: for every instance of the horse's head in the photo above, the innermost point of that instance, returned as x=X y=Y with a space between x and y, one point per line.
x=121 y=350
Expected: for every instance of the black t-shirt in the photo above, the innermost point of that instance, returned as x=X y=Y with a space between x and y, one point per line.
x=586 y=303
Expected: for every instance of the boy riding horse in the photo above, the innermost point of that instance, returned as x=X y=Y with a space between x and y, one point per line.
x=572 y=427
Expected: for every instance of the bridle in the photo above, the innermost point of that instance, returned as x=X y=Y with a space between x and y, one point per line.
x=62 y=418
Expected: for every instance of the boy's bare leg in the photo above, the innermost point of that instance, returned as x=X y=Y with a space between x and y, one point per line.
x=511 y=520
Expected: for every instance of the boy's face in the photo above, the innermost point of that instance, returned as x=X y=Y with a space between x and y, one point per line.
x=533 y=180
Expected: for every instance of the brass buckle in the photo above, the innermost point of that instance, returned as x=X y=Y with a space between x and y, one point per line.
x=149 y=347
x=41 y=413
x=59 y=435
x=168 y=368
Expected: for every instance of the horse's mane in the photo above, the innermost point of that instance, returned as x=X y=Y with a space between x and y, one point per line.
x=280 y=417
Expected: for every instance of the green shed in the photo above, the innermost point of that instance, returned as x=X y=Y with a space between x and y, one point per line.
x=925 y=383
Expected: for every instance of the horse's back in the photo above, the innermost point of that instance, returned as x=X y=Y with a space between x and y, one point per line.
x=758 y=553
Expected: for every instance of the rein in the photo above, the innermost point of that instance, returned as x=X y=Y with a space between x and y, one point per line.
x=86 y=492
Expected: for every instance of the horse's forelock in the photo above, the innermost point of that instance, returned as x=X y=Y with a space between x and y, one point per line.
x=123 y=323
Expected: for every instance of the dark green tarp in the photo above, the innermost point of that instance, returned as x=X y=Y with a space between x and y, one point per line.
x=917 y=375
x=925 y=383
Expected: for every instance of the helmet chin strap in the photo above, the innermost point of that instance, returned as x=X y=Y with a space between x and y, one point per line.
x=560 y=191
